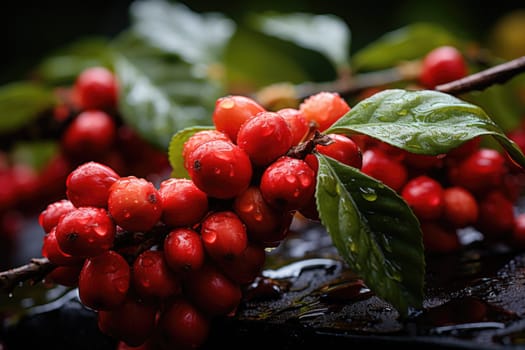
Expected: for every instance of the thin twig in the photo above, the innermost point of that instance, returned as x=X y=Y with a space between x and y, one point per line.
x=498 y=74
x=34 y=271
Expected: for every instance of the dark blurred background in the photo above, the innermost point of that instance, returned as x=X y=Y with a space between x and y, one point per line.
x=31 y=30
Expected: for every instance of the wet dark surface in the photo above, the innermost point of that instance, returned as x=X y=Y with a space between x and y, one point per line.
x=474 y=299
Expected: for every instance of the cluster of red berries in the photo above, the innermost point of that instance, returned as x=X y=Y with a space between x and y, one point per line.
x=159 y=263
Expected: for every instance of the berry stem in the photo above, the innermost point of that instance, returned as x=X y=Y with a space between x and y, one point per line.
x=34 y=271
x=478 y=81
x=304 y=148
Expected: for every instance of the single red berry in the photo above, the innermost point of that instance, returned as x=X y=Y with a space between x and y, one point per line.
x=265 y=137
x=184 y=250
x=245 y=267
x=425 y=196
x=232 y=111
x=288 y=183
x=220 y=169
x=297 y=123
x=96 y=88
x=482 y=170
x=91 y=134
x=442 y=65
x=439 y=238
x=183 y=326
x=134 y=203
x=52 y=251
x=85 y=231
x=104 y=281
x=263 y=222
x=183 y=203
x=224 y=235
x=198 y=139
x=324 y=108
x=460 y=207
x=26 y=182
x=89 y=183
x=152 y=278
x=463 y=150
x=343 y=149
x=64 y=275
x=212 y=292
x=132 y=322
x=496 y=217
x=391 y=172
x=49 y=217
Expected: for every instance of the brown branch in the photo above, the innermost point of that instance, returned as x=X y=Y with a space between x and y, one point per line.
x=498 y=74
x=34 y=271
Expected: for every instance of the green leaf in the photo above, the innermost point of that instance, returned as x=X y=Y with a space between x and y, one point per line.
x=174 y=28
x=375 y=232
x=406 y=43
x=64 y=65
x=35 y=153
x=175 y=150
x=326 y=34
x=422 y=122
x=159 y=97
x=21 y=103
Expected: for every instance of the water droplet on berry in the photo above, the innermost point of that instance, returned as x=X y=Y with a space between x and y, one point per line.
x=145 y=283
x=101 y=231
x=217 y=171
x=368 y=193
x=266 y=131
x=121 y=283
x=147 y=262
x=305 y=180
x=227 y=103
x=247 y=207
x=127 y=215
x=290 y=178
x=258 y=217
x=209 y=236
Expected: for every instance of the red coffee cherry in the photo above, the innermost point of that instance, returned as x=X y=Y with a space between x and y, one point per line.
x=232 y=111
x=152 y=278
x=89 y=183
x=132 y=322
x=64 y=275
x=212 y=292
x=439 y=238
x=263 y=222
x=496 y=217
x=50 y=216
x=288 y=183
x=482 y=170
x=245 y=267
x=96 y=88
x=52 y=251
x=91 y=134
x=183 y=326
x=324 y=108
x=198 y=139
x=221 y=169
x=391 y=172
x=134 y=203
x=104 y=281
x=425 y=196
x=184 y=250
x=460 y=207
x=297 y=124
x=224 y=235
x=343 y=149
x=442 y=65
x=183 y=203
x=85 y=231
x=265 y=137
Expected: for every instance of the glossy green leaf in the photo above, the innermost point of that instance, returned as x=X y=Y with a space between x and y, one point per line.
x=326 y=34
x=159 y=97
x=375 y=232
x=21 y=103
x=406 y=43
x=175 y=150
x=174 y=28
x=422 y=122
